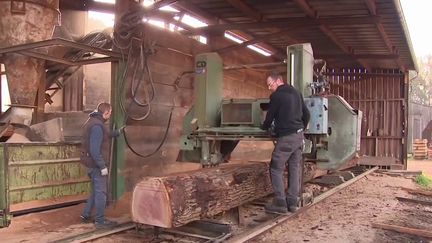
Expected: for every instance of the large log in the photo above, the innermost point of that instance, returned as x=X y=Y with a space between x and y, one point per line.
x=177 y=199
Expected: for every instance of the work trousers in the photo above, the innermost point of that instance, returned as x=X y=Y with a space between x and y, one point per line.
x=288 y=150
x=98 y=196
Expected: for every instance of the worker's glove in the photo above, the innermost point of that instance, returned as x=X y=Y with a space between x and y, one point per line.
x=118 y=132
x=121 y=129
x=104 y=171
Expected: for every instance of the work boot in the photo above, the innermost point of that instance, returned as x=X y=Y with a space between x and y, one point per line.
x=277 y=206
x=292 y=205
x=85 y=220
x=105 y=224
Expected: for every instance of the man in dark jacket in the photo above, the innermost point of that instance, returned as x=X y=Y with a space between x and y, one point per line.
x=290 y=117
x=95 y=152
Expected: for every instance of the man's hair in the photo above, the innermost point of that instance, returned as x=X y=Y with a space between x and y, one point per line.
x=275 y=75
x=103 y=107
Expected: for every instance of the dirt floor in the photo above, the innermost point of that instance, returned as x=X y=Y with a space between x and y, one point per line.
x=423 y=165
x=344 y=217
x=348 y=215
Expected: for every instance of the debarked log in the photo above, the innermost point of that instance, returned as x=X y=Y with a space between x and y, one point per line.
x=177 y=199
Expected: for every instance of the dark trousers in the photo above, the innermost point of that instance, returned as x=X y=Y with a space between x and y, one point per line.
x=98 y=195
x=288 y=149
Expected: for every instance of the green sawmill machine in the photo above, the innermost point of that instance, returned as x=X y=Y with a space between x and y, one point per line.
x=213 y=126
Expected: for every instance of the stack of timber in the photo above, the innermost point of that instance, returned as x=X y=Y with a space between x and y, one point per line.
x=430 y=152
x=178 y=199
x=420 y=149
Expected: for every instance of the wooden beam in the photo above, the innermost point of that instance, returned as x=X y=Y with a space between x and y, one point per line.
x=86 y=5
x=311 y=13
x=330 y=34
x=214 y=21
x=246 y=9
x=169 y=17
x=404 y=230
x=296 y=22
x=258 y=40
x=421 y=192
x=371 y=6
x=390 y=47
x=357 y=56
x=307 y=9
x=71 y=5
x=196 y=12
x=412 y=200
x=256 y=15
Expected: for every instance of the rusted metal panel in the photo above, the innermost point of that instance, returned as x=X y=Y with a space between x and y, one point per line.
x=34 y=22
x=44 y=171
x=38 y=171
x=382 y=97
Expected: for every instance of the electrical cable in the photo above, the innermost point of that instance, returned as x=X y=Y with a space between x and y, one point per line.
x=138 y=71
x=160 y=144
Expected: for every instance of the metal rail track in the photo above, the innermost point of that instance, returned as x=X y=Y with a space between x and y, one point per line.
x=262 y=228
x=232 y=237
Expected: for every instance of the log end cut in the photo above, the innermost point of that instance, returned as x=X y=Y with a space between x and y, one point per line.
x=177 y=199
x=151 y=204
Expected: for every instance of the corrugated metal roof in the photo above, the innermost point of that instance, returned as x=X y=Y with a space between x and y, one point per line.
x=347 y=33
x=358 y=33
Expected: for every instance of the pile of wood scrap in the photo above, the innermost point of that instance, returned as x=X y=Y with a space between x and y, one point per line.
x=420 y=149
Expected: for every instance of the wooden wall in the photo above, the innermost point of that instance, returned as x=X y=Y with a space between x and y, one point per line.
x=382 y=96
x=166 y=65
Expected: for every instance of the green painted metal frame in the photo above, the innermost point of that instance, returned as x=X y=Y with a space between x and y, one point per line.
x=118 y=187
x=38 y=171
x=4 y=193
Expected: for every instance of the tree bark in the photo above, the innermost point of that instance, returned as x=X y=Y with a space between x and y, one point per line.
x=178 y=199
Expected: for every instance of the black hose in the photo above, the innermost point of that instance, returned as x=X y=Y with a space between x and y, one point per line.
x=158 y=147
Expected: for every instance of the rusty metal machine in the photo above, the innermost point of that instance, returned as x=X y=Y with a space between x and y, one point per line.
x=213 y=126
x=24 y=22
x=42 y=171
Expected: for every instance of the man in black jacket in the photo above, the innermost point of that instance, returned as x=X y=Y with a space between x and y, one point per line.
x=290 y=116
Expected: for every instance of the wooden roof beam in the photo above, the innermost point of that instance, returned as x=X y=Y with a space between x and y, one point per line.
x=307 y=9
x=358 y=56
x=371 y=5
x=196 y=12
x=258 y=40
x=296 y=22
x=313 y=14
x=254 y=14
x=213 y=21
x=246 y=9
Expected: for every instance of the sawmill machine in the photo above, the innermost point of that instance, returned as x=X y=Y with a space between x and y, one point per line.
x=213 y=126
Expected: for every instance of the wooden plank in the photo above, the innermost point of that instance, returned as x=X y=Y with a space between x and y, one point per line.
x=414 y=191
x=411 y=200
x=401 y=172
x=405 y=230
